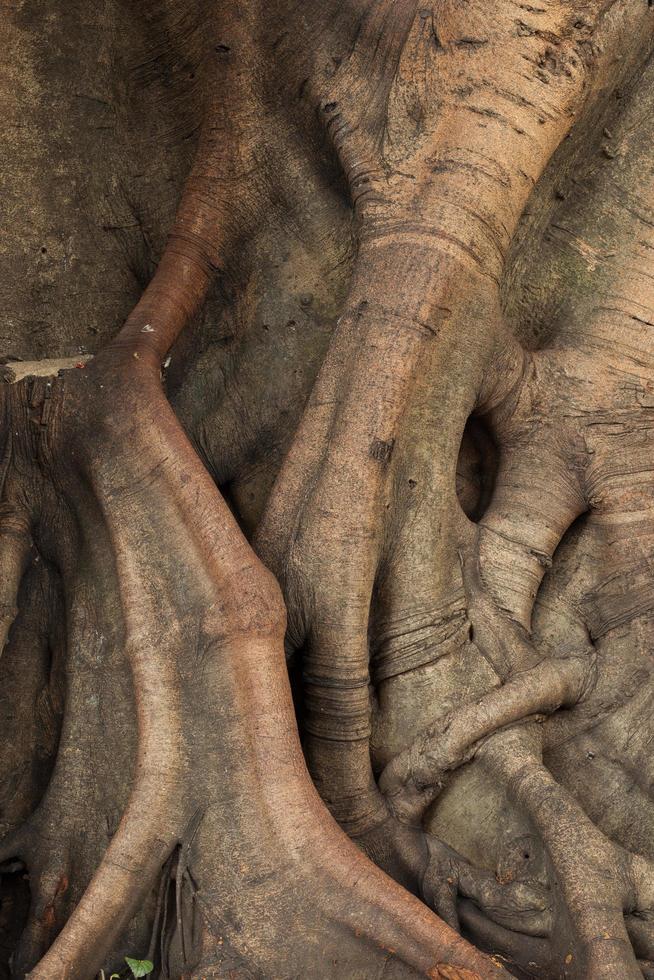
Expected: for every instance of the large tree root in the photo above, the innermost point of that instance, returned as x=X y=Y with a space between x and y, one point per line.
x=421 y=345
x=218 y=771
x=174 y=623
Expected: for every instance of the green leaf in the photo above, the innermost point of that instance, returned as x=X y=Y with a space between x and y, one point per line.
x=139 y=968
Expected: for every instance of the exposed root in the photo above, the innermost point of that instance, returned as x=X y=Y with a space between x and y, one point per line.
x=597 y=881
x=532 y=955
x=440 y=141
x=413 y=779
x=521 y=903
x=189 y=667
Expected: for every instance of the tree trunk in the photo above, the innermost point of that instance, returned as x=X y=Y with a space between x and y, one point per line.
x=327 y=510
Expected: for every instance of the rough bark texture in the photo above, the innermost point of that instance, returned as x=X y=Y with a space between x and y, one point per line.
x=327 y=500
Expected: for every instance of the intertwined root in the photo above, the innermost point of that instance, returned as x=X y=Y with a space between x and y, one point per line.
x=176 y=686
x=595 y=900
x=596 y=929
x=529 y=687
x=364 y=533
x=176 y=625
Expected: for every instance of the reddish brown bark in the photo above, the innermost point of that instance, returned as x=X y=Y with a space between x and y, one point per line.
x=446 y=467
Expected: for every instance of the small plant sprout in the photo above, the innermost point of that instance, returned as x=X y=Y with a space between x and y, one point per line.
x=138 y=968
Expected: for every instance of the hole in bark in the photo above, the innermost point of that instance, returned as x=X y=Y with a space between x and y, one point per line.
x=476 y=469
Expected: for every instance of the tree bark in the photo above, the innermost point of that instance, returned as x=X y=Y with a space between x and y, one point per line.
x=326 y=513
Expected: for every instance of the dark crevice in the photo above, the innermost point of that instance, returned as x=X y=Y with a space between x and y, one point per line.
x=476 y=469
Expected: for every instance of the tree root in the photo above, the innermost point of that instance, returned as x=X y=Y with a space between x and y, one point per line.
x=202 y=624
x=596 y=881
x=220 y=798
x=520 y=903
x=413 y=779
